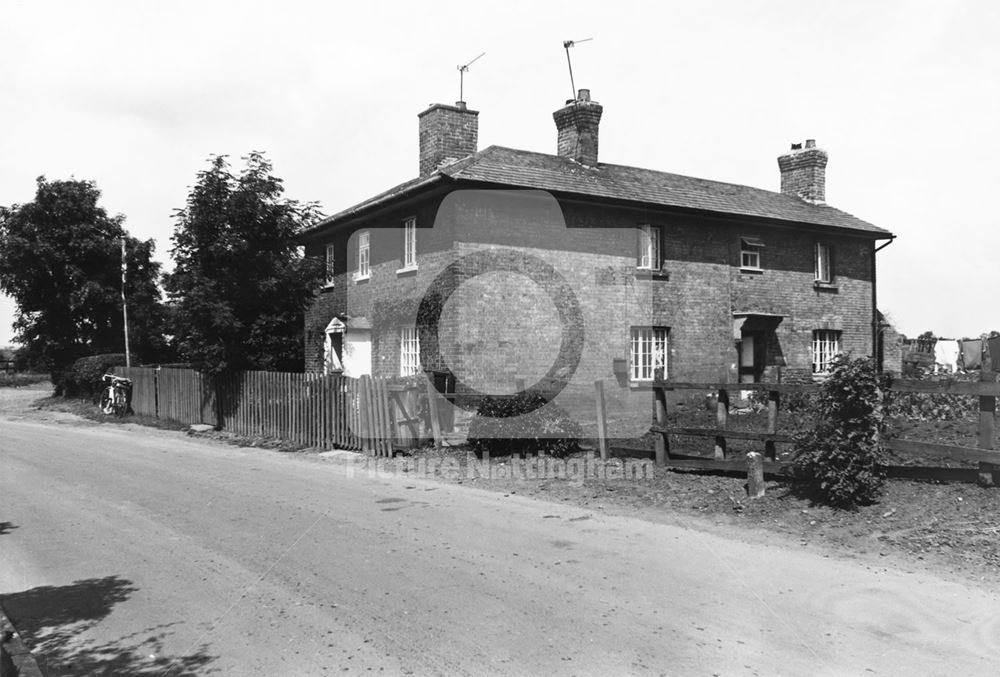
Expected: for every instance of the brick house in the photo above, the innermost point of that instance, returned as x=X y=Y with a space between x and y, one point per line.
x=562 y=265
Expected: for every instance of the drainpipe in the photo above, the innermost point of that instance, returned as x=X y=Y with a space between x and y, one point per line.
x=876 y=329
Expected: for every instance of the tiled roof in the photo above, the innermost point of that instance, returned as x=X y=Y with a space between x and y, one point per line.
x=513 y=168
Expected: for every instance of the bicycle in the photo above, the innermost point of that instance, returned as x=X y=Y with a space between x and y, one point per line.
x=116 y=395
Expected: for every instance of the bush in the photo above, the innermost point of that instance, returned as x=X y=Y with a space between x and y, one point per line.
x=522 y=424
x=839 y=462
x=83 y=379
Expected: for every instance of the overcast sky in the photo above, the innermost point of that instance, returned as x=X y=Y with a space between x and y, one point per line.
x=902 y=94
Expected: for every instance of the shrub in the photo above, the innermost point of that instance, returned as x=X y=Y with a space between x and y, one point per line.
x=839 y=462
x=522 y=424
x=83 y=379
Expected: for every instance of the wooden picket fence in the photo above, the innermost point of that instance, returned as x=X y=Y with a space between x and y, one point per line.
x=365 y=414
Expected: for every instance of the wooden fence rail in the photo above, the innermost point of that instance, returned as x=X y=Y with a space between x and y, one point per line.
x=985 y=453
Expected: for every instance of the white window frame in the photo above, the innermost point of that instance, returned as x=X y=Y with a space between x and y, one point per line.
x=648 y=257
x=750 y=258
x=750 y=251
x=364 y=256
x=410 y=244
x=825 y=346
x=329 y=264
x=647 y=351
x=409 y=351
x=824 y=272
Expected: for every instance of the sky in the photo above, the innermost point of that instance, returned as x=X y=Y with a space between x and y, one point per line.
x=903 y=95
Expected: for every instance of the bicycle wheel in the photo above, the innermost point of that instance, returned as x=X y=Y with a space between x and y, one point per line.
x=108 y=401
x=121 y=402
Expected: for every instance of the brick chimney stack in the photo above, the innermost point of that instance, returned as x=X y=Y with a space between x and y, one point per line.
x=447 y=134
x=803 y=172
x=578 y=124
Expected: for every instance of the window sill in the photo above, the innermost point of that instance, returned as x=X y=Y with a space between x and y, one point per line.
x=825 y=286
x=358 y=279
x=751 y=271
x=327 y=286
x=650 y=274
x=407 y=270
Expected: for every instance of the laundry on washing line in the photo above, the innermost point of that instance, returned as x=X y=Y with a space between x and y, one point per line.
x=945 y=356
x=994 y=351
x=971 y=354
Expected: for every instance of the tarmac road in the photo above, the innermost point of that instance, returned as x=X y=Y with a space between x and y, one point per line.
x=130 y=551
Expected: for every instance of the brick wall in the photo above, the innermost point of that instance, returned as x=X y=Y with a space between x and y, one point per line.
x=500 y=325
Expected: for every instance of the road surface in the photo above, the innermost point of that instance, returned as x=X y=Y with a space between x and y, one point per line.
x=127 y=551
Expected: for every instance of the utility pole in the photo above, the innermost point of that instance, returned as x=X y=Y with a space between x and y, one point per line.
x=128 y=356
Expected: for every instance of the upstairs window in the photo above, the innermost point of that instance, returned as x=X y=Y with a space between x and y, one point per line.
x=825 y=347
x=409 y=351
x=750 y=248
x=329 y=265
x=824 y=273
x=410 y=243
x=649 y=248
x=364 y=255
x=648 y=353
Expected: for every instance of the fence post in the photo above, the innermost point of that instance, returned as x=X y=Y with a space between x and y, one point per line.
x=602 y=420
x=755 y=475
x=987 y=413
x=660 y=398
x=722 y=421
x=366 y=419
x=432 y=408
x=773 y=400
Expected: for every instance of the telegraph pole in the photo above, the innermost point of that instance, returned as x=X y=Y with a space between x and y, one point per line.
x=128 y=356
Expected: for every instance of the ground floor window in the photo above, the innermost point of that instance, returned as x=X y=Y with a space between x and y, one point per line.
x=648 y=353
x=825 y=346
x=409 y=351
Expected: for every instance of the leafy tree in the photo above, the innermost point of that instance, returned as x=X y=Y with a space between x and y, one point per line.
x=240 y=287
x=60 y=260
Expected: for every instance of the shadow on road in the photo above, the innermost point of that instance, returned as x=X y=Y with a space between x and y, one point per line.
x=7 y=527
x=51 y=618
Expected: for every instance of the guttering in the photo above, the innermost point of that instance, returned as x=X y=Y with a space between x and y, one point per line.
x=876 y=328
x=883 y=246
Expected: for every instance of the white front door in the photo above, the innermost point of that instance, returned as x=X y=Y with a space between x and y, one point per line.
x=357 y=352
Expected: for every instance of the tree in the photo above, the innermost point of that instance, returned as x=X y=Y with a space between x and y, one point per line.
x=240 y=287
x=60 y=260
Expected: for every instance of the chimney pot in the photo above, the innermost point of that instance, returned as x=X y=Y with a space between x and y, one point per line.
x=447 y=134
x=803 y=172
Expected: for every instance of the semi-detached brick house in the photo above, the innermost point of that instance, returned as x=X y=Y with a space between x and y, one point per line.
x=706 y=280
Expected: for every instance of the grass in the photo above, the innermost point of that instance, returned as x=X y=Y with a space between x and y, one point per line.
x=88 y=409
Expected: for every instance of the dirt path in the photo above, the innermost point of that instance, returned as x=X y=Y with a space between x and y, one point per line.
x=131 y=551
